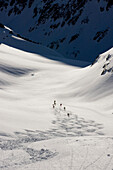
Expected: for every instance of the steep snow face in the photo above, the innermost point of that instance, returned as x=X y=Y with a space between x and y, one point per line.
x=76 y=29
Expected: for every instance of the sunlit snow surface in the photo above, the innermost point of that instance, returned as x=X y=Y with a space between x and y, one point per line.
x=33 y=134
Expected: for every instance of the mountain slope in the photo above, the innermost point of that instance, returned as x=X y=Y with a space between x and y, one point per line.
x=33 y=133
x=76 y=29
x=11 y=38
x=30 y=79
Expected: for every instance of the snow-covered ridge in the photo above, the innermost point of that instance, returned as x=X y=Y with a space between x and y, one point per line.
x=72 y=28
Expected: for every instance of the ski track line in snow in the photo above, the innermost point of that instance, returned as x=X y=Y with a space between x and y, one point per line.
x=63 y=126
x=107 y=165
x=71 y=161
x=97 y=159
x=75 y=124
x=84 y=159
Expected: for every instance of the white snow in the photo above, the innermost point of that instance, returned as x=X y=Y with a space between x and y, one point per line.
x=33 y=135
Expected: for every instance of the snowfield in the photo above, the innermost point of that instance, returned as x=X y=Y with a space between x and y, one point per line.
x=33 y=134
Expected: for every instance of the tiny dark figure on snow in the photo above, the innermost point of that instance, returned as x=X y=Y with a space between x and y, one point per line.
x=53 y=106
x=64 y=108
x=54 y=102
x=60 y=104
x=68 y=114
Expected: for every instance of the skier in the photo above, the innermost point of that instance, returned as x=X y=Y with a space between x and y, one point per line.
x=54 y=102
x=68 y=114
x=64 y=108
x=53 y=106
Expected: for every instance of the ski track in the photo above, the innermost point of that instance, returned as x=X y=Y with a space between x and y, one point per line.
x=80 y=143
x=62 y=126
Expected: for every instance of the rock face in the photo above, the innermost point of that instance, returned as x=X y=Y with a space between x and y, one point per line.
x=80 y=29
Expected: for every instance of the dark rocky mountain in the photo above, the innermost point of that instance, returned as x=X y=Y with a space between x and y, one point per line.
x=79 y=29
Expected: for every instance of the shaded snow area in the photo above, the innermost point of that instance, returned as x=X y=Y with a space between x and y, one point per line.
x=77 y=29
x=54 y=116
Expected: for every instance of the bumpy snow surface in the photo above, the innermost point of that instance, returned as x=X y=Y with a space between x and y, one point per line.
x=36 y=136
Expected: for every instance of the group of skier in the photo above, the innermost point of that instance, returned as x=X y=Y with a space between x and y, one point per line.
x=64 y=108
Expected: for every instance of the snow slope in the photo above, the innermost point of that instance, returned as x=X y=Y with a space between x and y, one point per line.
x=33 y=134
